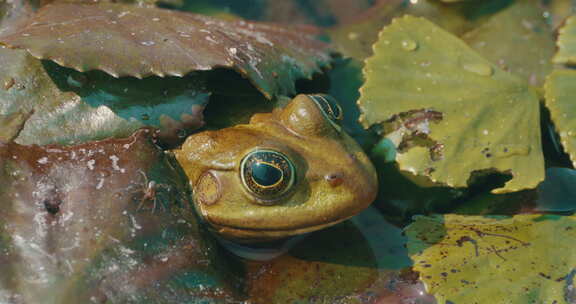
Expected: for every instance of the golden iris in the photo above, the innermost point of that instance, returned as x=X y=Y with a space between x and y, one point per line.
x=267 y=173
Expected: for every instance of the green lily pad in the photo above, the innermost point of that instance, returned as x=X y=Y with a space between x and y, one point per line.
x=449 y=111
x=517 y=39
x=472 y=259
x=135 y=41
x=356 y=37
x=560 y=88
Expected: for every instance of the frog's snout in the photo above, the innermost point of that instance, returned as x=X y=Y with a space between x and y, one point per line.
x=334 y=179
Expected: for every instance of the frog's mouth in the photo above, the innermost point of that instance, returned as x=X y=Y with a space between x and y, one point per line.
x=254 y=235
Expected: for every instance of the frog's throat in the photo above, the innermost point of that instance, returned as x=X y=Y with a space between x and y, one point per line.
x=254 y=235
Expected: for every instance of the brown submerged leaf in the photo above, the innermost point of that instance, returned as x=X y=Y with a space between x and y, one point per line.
x=76 y=224
x=135 y=41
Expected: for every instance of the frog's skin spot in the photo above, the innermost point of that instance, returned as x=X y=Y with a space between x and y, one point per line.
x=323 y=177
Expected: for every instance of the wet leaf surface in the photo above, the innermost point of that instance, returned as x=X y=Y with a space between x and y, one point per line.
x=172 y=104
x=471 y=259
x=449 y=111
x=356 y=37
x=557 y=11
x=133 y=41
x=326 y=268
x=11 y=125
x=54 y=115
x=566 y=43
x=518 y=40
x=43 y=103
x=105 y=221
x=400 y=193
x=560 y=89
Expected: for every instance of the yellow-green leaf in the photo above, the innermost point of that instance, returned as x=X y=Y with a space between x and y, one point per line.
x=517 y=39
x=517 y=260
x=355 y=39
x=450 y=111
x=561 y=101
x=567 y=43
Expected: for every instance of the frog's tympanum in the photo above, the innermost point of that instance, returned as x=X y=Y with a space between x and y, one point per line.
x=287 y=172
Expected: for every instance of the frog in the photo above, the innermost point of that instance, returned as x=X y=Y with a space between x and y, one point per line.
x=285 y=173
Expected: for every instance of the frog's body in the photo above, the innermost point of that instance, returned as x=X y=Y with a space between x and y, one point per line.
x=318 y=176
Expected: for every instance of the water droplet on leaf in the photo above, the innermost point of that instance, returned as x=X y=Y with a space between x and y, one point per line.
x=409 y=45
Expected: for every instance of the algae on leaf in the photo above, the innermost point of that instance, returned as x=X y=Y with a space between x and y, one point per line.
x=517 y=39
x=450 y=112
x=516 y=260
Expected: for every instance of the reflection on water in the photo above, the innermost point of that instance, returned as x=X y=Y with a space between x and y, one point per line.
x=363 y=260
x=557 y=193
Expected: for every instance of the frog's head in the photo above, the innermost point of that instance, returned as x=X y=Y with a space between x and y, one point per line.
x=287 y=172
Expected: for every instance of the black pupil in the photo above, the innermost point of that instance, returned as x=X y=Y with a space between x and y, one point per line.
x=265 y=174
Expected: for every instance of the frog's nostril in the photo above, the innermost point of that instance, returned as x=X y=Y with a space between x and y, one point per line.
x=334 y=179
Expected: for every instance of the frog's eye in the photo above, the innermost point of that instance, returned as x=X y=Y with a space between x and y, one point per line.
x=330 y=108
x=267 y=174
